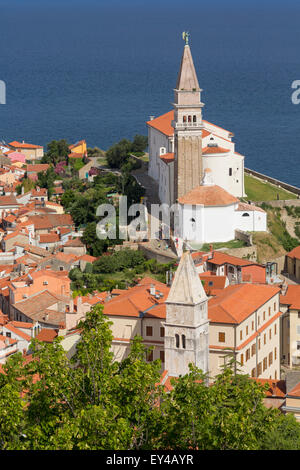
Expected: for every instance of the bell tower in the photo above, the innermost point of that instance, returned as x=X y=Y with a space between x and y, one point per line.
x=187 y=323
x=187 y=126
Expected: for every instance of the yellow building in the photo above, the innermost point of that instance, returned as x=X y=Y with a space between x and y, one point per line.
x=79 y=147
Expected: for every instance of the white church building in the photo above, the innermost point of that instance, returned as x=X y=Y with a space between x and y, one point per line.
x=196 y=165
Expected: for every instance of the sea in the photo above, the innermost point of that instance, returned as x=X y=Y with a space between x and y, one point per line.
x=96 y=70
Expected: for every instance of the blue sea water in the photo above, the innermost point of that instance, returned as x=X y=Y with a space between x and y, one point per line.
x=98 y=69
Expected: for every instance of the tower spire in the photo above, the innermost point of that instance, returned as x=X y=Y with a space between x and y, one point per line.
x=187 y=127
x=187 y=78
x=186 y=326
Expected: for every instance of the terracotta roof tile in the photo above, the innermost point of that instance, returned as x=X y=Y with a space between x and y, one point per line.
x=235 y=303
x=291 y=297
x=208 y=196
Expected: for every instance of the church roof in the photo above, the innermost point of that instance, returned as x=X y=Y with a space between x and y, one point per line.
x=186 y=287
x=163 y=124
x=187 y=77
x=212 y=195
x=214 y=149
x=248 y=207
x=167 y=157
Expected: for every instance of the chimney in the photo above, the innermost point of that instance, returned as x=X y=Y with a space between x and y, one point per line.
x=79 y=304
x=152 y=289
x=151 y=118
x=46 y=316
x=7 y=341
x=22 y=191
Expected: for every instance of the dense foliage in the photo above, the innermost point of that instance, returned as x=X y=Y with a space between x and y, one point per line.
x=94 y=402
x=118 y=270
x=118 y=154
x=57 y=150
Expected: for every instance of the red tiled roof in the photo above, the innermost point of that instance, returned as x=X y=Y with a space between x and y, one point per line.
x=163 y=123
x=76 y=155
x=37 y=167
x=167 y=157
x=9 y=200
x=220 y=258
x=23 y=145
x=248 y=207
x=49 y=238
x=295 y=392
x=212 y=282
x=17 y=332
x=295 y=253
x=208 y=196
x=47 y=335
x=235 y=303
x=214 y=150
x=136 y=300
x=277 y=388
x=291 y=297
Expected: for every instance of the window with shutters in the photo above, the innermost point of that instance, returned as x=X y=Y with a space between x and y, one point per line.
x=265 y=339
x=162 y=332
x=253 y=372
x=253 y=326
x=242 y=359
x=241 y=334
x=150 y=356
x=246 y=330
x=270 y=333
x=275 y=354
x=221 y=337
x=264 y=316
x=270 y=358
x=253 y=349
x=258 y=369
x=162 y=356
x=265 y=363
x=149 y=331
x=248 y=354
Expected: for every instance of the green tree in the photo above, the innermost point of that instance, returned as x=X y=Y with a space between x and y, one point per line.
x=46 y=180
x=94 y=245
x=139 y=144
x=119 y=153
x=57 y=150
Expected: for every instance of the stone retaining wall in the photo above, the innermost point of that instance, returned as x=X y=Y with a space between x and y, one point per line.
x=249 y=252
x=280 y=203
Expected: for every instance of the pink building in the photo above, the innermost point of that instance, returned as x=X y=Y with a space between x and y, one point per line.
x=16 y=157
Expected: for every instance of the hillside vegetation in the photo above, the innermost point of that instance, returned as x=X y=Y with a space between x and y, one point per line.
x=258 y=190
